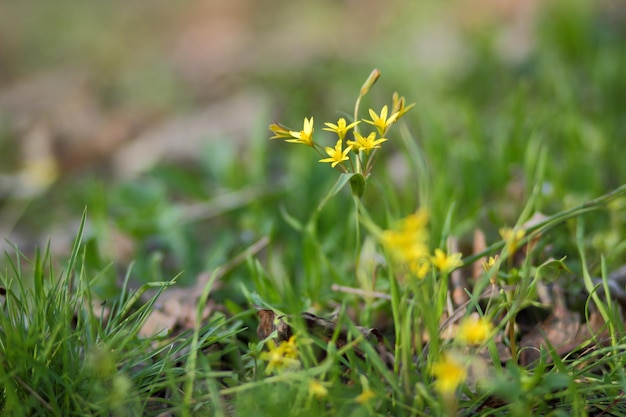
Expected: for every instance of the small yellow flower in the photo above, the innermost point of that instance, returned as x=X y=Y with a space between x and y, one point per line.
x=398 y=106
x=366 y=393
x=280 y=131
x=489 y=263
x=450 y=373
x=365 y=396
x=317 y=390
x=446 y=263
x=336 y=154
x=381 y=122
x=289 y=348
x=406 y=246
x=420 y=267
x=474 y=331
x=416 y=221
x=512 y=237
x=340 y=128
x=281 y=357
x=366 y=143
x=305 y=136
x=407 y=243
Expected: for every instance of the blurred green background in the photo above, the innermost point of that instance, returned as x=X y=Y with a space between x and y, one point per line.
x=154 y=116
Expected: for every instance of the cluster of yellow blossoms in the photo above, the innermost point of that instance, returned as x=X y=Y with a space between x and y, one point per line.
x=355 y=154
x=407 y=243
x=512 y=238
x=283 y=356
x=450 y=370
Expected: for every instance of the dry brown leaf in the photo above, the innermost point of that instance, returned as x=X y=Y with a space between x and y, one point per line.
x=562 y=330
x=176 y=309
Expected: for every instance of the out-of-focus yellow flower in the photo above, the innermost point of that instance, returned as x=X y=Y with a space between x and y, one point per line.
x=474 y=331
x=39 y=173
x=305 y=136
x=446 y=263
x=449 y=372
x=407 y=243
x=336 y=154
x=489 y=263
x=365 y=396
x=366 y=393
x=420 y=267
x=381 y=122
x=283 y=356
x=290 y=350
x=512 y=237
x=317 y=390
x=341 y=128
x=366 y=143
x=399 y=107
x=416 y=221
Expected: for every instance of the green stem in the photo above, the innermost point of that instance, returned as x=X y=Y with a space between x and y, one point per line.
x=357 y=261
x=395 y=312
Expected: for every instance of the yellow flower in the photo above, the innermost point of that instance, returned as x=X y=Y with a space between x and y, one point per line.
x=305 y=136
x=450 y=373
x=317 y=390
x=420 y=267
x=398 y=106
x=407 y=243
x=512 y=237
x=289 y=348
x=336 y=154
x=488 y=264
x=416 y=221
x=445 y=263
x=340 y=128
x=381 y=122
x=366 y=144
x=365 y=396
x=280 y=131
x=281 y=357
x=474 y=331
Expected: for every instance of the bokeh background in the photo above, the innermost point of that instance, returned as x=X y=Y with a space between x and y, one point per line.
x=154 y=116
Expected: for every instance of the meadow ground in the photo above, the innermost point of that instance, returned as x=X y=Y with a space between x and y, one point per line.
x=436 y=226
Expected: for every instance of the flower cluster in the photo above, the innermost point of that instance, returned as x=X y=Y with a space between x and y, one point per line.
x=353 y=151
x=474 y=331
x=450 y=370
x=281 y=357
x=317 y=390
x=408 y=245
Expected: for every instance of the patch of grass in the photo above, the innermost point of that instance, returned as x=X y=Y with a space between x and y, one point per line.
x=63 y=353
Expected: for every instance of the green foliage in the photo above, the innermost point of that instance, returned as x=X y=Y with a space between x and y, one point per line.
x=63 y=353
